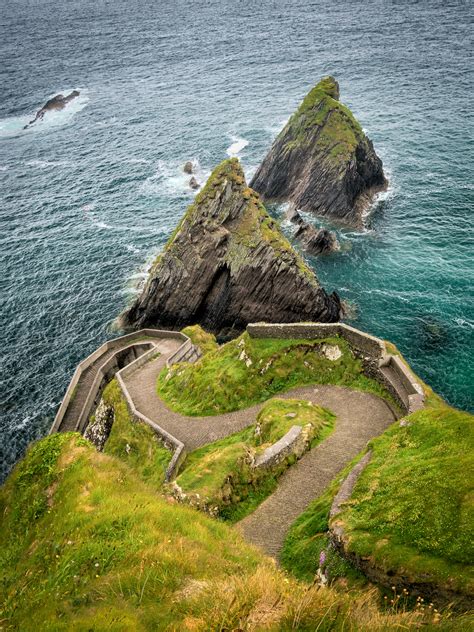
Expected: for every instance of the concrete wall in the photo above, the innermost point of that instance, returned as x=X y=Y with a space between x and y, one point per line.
x=133 y=351
x=105 y=373
x=116 y=343
x=171 y=442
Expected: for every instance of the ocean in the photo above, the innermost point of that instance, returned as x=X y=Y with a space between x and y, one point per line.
x=89 y=196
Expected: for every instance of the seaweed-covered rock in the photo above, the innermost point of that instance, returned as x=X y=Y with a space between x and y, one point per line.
x=228 y=264
x=322 y=161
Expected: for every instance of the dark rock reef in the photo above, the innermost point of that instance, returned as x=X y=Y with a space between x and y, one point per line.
x=193 y=183
x=316 y=241
x=57 y=102
x=322 y=161
x=228 y=264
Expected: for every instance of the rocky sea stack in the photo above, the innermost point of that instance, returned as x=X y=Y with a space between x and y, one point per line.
x=228 y=264
x=322 y=161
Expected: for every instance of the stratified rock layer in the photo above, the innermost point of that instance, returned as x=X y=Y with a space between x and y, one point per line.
x=227 y=265
x=322 y=161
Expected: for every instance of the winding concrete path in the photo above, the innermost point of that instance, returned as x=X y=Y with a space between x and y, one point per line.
x=360 y=417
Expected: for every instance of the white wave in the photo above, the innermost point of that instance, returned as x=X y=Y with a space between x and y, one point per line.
x=102 y=225
x=44 y=164
x=3 y=167
x=169 y=179
x=138 y=161
x=108 y=122
x=274 y=130
x=464 y=323
x=237 y=145
x=15 y=125
x=132 y=248
x=87 y=208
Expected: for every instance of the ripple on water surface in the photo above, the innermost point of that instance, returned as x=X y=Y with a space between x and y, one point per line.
x=91 y=194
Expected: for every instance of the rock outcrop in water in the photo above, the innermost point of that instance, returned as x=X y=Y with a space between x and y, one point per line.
x=316 y=241
x=57 y=102
x=322 y=161
x=227 y=265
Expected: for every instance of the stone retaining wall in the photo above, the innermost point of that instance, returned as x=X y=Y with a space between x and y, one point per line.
x=388 y=369
x=291 y=443
x=117 y=343
x=104 y=374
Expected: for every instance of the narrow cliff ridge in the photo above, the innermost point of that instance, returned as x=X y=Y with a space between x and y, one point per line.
x=322 y=161
x=227 y=264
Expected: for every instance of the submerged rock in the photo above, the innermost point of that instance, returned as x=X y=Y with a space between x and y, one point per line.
x=322 y=161
x=227 y=265
x=188 y=167
x=58 y=102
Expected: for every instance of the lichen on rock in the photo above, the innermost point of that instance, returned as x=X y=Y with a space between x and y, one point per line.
x=322 y=161
x=228 y=264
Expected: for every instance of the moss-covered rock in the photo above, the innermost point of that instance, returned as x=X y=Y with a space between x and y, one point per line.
x=322 y=161
x=228 y=264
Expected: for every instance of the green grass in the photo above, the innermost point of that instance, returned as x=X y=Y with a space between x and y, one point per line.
x=222 y=382
x=220 y=473
x=202 y=339
x=308 y=537
x=412 y=508
x=133 y=441
x=411 y=511
x=86 y=544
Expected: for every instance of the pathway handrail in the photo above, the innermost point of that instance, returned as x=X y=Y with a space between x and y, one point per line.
x=106 y=346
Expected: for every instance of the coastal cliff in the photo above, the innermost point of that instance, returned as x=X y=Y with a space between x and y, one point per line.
x=322 y=161
x=228 y=264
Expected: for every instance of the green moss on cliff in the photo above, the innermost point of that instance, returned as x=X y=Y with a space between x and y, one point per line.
x=253 y=225
x=324 y=124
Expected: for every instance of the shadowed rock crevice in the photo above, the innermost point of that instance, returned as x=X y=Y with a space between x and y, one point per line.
x=322 y=161
x=228 y=265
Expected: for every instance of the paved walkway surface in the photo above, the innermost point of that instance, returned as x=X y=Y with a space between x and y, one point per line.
x=360 y=417
x=71 y=416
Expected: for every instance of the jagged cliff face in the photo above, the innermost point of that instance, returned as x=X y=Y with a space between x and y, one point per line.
x=227 y=265
x=322 y=161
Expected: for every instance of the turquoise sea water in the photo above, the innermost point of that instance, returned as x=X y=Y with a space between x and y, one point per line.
x=91 y=194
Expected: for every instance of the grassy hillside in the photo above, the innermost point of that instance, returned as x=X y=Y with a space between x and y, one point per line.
x=133 y=441
x=219 y=478
x=411 y=512
x=85 y=544
x=413 y=506
x=247 y=370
